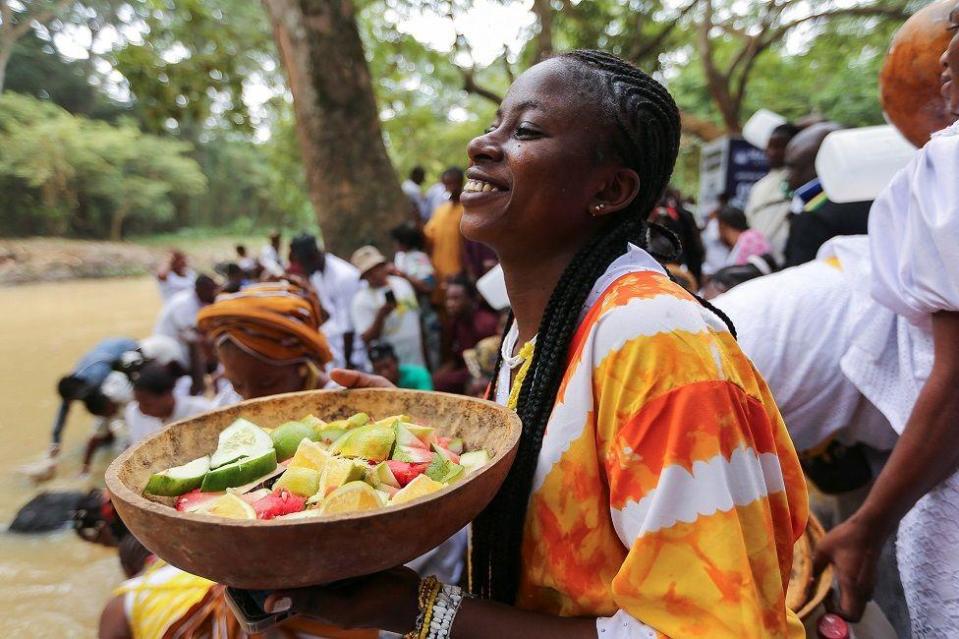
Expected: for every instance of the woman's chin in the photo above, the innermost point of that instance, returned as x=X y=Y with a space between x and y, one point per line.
x=482 y=223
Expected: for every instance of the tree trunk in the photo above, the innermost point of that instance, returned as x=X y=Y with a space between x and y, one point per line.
x=116 y=223
x=5 y=53
x=350 y=178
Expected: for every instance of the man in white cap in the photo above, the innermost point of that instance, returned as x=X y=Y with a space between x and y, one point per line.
x=385 y=308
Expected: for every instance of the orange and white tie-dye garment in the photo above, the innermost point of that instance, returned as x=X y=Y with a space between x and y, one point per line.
x=667 y=495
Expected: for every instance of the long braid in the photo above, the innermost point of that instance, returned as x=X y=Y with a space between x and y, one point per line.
x=646 y=138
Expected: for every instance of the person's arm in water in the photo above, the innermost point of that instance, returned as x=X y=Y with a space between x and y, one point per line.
x=58 y=425
x=926 y=454
x=113 y=621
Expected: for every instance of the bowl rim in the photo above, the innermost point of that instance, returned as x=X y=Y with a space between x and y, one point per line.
x=118 y=487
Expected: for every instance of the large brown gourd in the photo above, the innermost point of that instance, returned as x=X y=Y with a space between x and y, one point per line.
x=909 y=81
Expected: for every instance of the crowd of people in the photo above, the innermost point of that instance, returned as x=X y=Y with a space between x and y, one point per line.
x=679 y=375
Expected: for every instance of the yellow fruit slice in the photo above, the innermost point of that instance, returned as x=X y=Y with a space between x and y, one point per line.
x=354 y=496
x=339 y=471
x=421 y=485
x=310 y=455
x=230 y=506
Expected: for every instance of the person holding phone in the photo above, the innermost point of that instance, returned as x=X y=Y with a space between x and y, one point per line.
x=385 y=308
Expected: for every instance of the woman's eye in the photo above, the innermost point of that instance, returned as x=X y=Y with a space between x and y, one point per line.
x=526 y=132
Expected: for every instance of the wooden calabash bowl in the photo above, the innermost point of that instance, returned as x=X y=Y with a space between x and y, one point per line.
x=909 y=80
x=281 y=554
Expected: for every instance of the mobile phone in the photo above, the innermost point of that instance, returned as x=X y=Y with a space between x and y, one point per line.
x=390 y=297
x=247 y=606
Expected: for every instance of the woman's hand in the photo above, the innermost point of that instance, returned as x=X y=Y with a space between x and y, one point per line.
x=853 y=548
x=348 y=378
x=385 y=601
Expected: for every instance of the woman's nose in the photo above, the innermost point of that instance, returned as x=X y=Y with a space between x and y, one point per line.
x=484 y=147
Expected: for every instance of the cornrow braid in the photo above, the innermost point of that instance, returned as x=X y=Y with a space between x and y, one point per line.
x=646 y=135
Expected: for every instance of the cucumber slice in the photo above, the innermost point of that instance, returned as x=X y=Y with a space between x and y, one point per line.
x=240 y=472
x=241 y=439
x=179 y=480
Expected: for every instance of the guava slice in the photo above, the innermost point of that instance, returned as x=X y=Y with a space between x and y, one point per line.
x=181 y=479
x=444 y=470
x=194 y=500
x=354 y=496
x=426 y=434
x=299 y=481
x=381 y=475
x=412 y=454
x=329 y=435
x=446 y=453
x=287 y=437
x=360 y=419
x=370 y=442
x=339 y=471
x=406 y=438
x=310 y=455
x=242 y=438
x=240 y=472
x=419 y=487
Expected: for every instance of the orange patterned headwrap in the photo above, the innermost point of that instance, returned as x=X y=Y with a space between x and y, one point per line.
x=277 y=321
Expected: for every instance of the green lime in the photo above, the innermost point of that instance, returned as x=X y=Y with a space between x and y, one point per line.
x=179 y=480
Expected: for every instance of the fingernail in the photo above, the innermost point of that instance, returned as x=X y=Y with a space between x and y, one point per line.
x=280 y=605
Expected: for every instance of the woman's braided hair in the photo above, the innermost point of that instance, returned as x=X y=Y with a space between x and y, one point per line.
x=645 y=137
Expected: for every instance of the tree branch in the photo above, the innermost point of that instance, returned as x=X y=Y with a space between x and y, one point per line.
x=470 y=86
x=890 y=12
x=639 y=51
x=698 y=127
x=544 y=39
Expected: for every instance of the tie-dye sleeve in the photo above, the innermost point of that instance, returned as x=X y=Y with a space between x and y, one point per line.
x=699 y=468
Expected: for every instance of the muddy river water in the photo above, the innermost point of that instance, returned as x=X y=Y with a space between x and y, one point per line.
x=55 y=585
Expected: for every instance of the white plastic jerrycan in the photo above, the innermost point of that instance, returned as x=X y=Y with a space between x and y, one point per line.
x=855 y=165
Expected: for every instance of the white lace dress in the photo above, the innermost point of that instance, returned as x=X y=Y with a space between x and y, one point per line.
x=914 y=236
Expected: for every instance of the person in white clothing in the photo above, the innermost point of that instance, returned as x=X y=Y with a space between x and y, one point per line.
x=175 y=276
x=156 y=405
x=335 y=282
x=767 y=208
x=177 y=320
x=411 y=188
x=270 y=259
x=386 y=308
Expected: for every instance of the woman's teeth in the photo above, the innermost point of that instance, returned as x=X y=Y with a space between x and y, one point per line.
x=479 y=186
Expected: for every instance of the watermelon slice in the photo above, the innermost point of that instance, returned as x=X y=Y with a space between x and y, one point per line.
x=277 y=504
x=194 y=500
x=406 y=472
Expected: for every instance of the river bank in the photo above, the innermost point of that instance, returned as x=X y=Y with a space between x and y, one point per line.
x=36 y=259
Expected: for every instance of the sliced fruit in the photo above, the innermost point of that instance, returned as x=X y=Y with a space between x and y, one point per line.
x=412 y=454
x=179 y=480
x=455 y=445
x=381 y=475
x=405 y=472
x=195 y=500
x=392 y=419
x=277 y=504
x=360 y=419
x=287 y=437
x=310 y=455
x=446 y=453
x=420 y=486
x=384 y=496
x=474 y=460
x=339 y=471
x=314 y=422
x=299 y=481
x=329 y=435
x=252 y=498
x=444 y=470
x=426 y=434
x=241 y=439
x=310 y=513
x=370 y=442
x=406 y=438
x=259 y=482
x=240 y=472
x=354 y=496
x=230 y=506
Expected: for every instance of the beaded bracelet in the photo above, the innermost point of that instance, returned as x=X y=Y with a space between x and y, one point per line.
x=447 y=604
x=429 y=588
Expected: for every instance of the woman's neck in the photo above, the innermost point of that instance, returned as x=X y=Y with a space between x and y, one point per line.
x=530 y=284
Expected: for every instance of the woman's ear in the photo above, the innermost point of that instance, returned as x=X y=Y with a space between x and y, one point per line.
x=618 y=192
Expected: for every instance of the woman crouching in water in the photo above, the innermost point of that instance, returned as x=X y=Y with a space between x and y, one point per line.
x=655 y=492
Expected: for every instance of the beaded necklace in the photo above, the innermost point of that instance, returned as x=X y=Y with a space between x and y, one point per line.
x=523 y=359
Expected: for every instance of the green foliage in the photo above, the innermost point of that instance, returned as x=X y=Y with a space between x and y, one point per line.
x=90 y=174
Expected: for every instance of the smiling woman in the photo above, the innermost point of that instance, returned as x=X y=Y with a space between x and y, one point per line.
x=655 y=491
